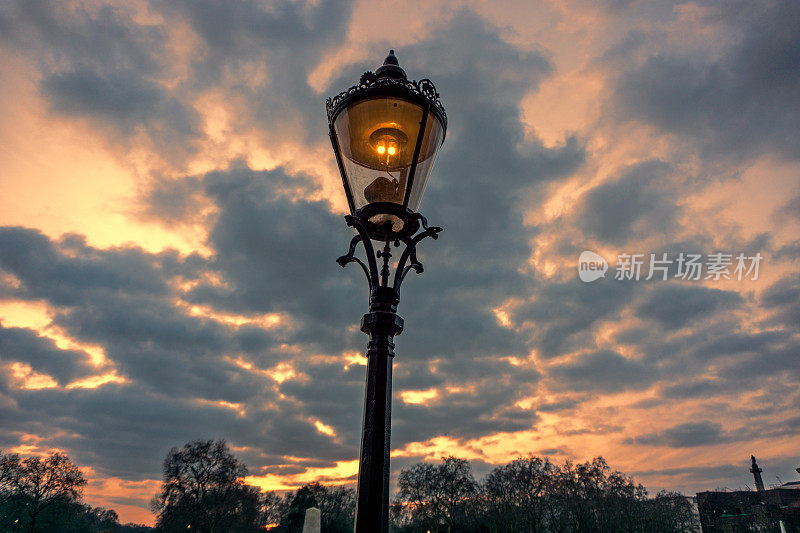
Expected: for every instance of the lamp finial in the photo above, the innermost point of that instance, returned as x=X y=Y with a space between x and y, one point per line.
x=391 y=68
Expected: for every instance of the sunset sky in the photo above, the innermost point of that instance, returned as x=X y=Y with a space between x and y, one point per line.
x=171 y=212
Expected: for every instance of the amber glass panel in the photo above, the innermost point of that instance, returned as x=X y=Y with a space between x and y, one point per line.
x=431 y=141
x=377 y=137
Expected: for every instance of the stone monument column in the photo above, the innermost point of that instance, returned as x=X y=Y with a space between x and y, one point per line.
x=757 y=474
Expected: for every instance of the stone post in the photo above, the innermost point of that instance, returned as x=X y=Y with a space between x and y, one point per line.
x=312 y=521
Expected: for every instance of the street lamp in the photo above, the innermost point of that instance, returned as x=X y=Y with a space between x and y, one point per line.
x=385 y=133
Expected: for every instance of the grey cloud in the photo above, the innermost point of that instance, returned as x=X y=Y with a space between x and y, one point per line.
x=789 y=251
x=97 y=36
x=25 y=346
x=162 y=348
x=744 y=103
x=702 y=388
x=482 y=407
x=46 y=273
x=638 y=204
x=105 y=64
x=719 y=360
x=482 y=402
x=783 y=299
x=790 y=209
x=720 y=349
x=692 y=434
x=121 y=500
x=125 y=430
x=470 y=369
x=120 y=299
x=560 y=405
x=788 y=428
x=104 y=427
x=687 y=435
x=714 y=472
x=783 y=292
x=563 y=315
x=277 y=255
x=283 y=470
x=173 y=202
x=778 y=362
x=676 y=306
x=725 y=475
x=461 y=415
x=126 y=306
x=411 y=375
x=604 y=371
x=721 y=343
x=333 y=395
x=692 y=479
x=108 y=64
x=124 y=99
x=286 y=41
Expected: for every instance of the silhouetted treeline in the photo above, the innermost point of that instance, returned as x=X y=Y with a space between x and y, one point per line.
x=532 y=495
x=528 y=495
x=43 y=494
x=204 y=490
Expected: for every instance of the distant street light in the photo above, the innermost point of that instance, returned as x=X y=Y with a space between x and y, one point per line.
x=385 y=133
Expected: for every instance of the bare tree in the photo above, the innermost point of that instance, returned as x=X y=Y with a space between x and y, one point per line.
x=9 y=473
x=204 y=487
x=414 y=502
x=46 y=481
x=670 y=512
x=515 y=494
x=435 y=495
x=274 y=508
x=337 y=506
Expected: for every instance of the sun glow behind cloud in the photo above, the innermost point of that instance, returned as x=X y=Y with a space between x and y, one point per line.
x=62 y=174
x=26 y=378
x=419 y=397
x=38 y=317
x=342 y=472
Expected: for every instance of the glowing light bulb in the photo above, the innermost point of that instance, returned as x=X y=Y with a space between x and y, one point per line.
x=388 y=144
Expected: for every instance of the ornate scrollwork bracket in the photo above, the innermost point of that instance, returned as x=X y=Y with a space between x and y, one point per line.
x=408 y=259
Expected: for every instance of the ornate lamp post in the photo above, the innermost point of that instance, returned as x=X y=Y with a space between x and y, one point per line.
x=385 y=133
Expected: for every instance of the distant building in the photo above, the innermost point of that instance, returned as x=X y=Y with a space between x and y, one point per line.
x=763 y=510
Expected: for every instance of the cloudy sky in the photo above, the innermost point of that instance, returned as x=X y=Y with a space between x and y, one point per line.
x=170 y=213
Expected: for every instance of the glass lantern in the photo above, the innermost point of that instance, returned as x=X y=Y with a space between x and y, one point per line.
x=386 y=133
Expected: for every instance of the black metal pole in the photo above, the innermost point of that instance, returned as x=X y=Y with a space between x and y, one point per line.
x=372 y=498
x=381 y=324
